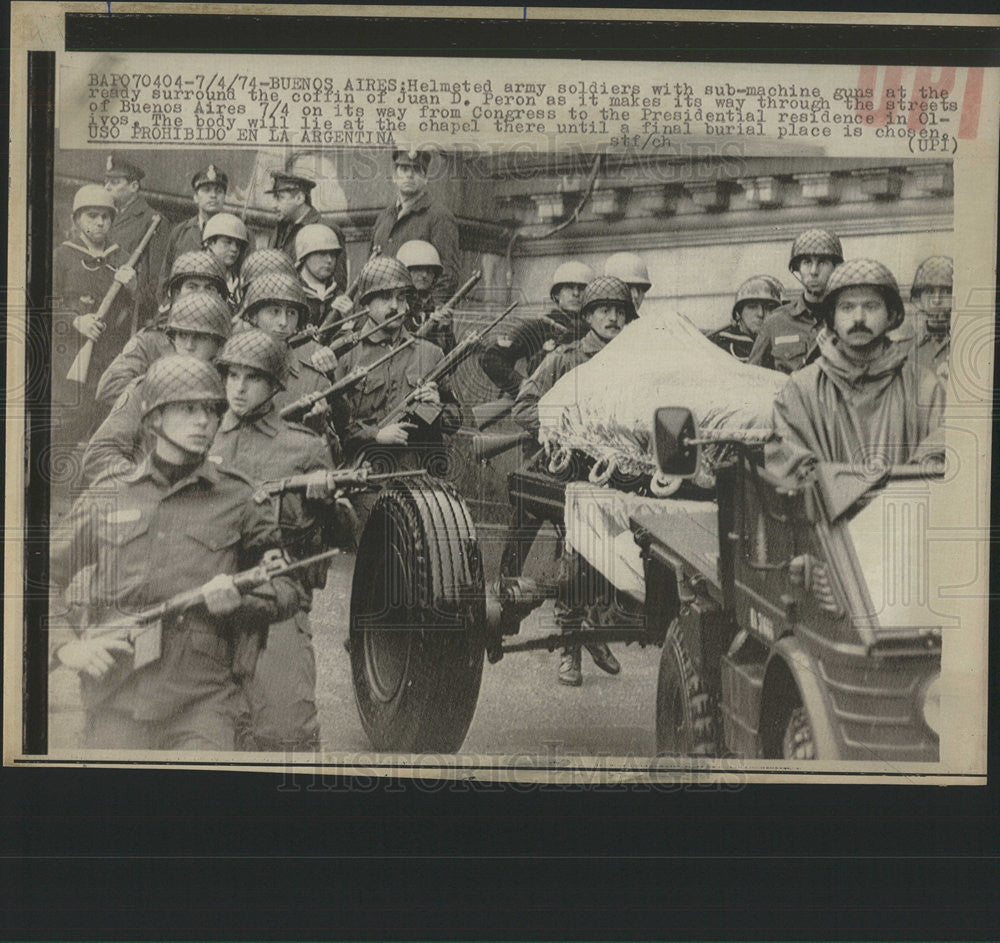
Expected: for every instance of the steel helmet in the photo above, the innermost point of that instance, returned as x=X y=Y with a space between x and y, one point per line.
x=93 y=195
x=179 y=378
x=274 y=287
x=629 y=268
x=225 y=224
x=867 y=273
x=200 y=264
x=315 y=238
x=938 y=271
x=570 y=273
x=383 y=273
x=761 y=288
x=604 y=289
x=200 y=313
x=815 y=242
x=263 y=261
x=257 y=350
x=419 y=254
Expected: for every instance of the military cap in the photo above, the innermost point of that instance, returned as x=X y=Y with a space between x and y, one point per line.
x=200 y=313
x=119 y=167
x=761 y=288
x=263 y=261
x=383 y=273
x=938 y=271
x=200 y=264
x=180 y=378
x=211 y=174
x=411 y=157
x=815 y=242
x=863 y=273
x=274 y=288
x=607 y=289
x=282 y=181
x=259 y=351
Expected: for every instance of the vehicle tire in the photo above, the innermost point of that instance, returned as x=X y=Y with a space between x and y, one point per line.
x=417 y=611
x=797 y=742
x=685 y=714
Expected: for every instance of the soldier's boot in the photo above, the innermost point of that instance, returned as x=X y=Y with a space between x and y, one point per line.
x=569 y=667
x=603 y=658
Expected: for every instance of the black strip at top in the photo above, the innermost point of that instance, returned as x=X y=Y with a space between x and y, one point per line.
x=534 y=39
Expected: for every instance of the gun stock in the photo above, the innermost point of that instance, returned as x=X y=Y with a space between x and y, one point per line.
x=454 y=300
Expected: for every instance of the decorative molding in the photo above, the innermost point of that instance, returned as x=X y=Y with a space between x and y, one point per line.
x=763 y=191
x=711 y=195
x=935 y=179
x=549 y=207
x=609 y=203
x=823 y=188
x=883 y=183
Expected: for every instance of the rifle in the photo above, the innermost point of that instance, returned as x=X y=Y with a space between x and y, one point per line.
x=146 y=634
x=303 y=404
x=352 y=338
x=455 y=299
x=81 y=364
x=334 y=482
x=446 y=365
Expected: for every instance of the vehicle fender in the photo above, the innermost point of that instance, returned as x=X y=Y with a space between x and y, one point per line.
x=790 y=663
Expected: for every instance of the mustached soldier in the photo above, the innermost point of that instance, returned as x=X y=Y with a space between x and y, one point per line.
x=424 y=265
x=788 y=334
x=532 y=340
x=932 y=294
x=198 y=325
x=255 y=440
x=756 y=298
x=133 y=542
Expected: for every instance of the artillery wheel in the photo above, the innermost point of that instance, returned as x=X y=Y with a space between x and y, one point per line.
x=685 y=715
x=417 y=608
x=798 y=743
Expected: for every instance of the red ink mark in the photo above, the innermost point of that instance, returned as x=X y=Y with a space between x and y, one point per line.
x=972 y=100
x=892 y=84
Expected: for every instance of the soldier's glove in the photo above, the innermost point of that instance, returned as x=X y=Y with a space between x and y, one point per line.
x=318 y=488
x=428 y=393
x=316 y=418
x=324 y=360
x=221 y=595
x=342 y=304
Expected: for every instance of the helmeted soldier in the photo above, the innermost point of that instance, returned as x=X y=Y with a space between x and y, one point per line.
x=84 y=269
x=255 y=440
x=863 y=401
x=606 y=307
x=226 y=237
x=932 y=294
x=175 y=522
x=531 y=340
x=415 y=215
x=756 y=298
x=317 y=248
x=788 y=334
x=209 y=187
x=630 y=268
x=428 y=318
x=198 y=325
x=262 y=262
x=293 y=198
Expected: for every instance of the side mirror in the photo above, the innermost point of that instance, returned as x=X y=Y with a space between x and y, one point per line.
x=673 y=434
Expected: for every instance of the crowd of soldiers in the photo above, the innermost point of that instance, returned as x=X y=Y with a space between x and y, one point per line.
x=233 y=367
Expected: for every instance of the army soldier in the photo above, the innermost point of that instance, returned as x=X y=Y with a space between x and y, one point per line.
x=198 y=326
x=122 y=179
x=415 y=215
x=175 y=522
x=756 y=298
x=317 y=249
x=932 y=294
x=210 y=186
x=606 y=309
x=293 y=198
x=226 y=237
x=427 y=319
x=864 y=401
x=532 y=340
x=632 y=270
x=788 y=335
x=253 y=439
x=84 y=268
x=262 y=262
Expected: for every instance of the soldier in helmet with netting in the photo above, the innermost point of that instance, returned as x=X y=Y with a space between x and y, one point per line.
x=317 y=249
x=132 y=542
x=932 y=295
x=756 y=298
x=863 y=401
x=227 y=238
x=788 y=335
x=197 y=271
x=631 y=269
x=255 y=440
x=531 y=340
x=263 y=262
x=429 y=318
x=198 y=325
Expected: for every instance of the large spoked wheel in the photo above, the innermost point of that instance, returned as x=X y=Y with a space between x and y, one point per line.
x=685 y=715
x=417 y=608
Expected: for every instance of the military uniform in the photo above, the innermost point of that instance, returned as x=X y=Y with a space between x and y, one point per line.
x=285 y=232
x=134 y=543
x=184 y=237
x=733 y=342
x=136 y=357
x=320 y=298
x=440 y=333
x=932 y=350
x=130 y=225
x=120 y=443
x=787 y=337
